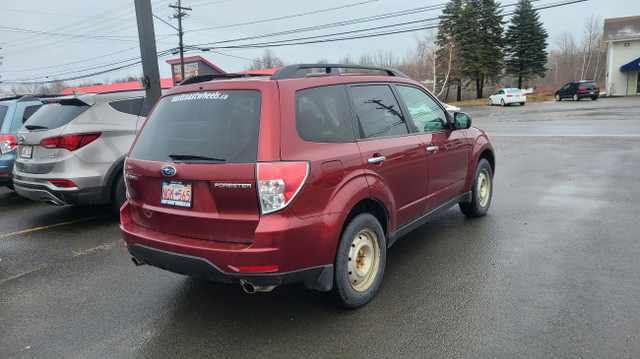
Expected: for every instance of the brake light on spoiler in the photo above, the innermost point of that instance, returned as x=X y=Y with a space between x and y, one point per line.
x=279 y=183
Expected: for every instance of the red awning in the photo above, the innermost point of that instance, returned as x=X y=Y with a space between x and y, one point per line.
x=164 y=83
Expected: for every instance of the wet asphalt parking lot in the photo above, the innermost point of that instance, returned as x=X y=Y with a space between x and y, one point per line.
x=552 y=271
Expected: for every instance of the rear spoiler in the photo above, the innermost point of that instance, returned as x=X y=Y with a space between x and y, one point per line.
x=78 y=98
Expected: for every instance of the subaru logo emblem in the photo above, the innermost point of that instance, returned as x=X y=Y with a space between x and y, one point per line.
x=168 y=171
x=21 y=139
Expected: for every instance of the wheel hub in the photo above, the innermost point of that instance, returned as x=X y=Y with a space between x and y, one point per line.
x=483 y=189
x=364 y=260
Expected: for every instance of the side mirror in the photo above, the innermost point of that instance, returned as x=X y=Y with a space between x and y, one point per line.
x=462 y=120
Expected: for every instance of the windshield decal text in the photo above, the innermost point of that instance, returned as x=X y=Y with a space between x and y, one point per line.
x=200 y=96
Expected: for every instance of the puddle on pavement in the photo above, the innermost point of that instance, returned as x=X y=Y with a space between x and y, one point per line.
x=568 y=195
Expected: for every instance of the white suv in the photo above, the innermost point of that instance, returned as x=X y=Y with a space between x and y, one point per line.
x=72 y=150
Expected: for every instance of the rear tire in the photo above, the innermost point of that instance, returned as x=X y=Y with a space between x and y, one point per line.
x=576 y=97
x=118 y=192
x=490 y=102
x=502 y=103
x=521 y=103
x=558 y=98
x=360 y=261
x=594 y=98
x=481 y=192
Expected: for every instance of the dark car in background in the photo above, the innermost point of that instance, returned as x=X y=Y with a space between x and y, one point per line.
x=577 y=90
x=14 y=111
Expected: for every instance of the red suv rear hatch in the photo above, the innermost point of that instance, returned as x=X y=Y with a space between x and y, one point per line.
x=195 y=159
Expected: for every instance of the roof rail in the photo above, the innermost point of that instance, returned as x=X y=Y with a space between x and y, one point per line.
x=28 y=97
x=37 y=96
x=9 y=98
x=297 y=71
x=210 y=77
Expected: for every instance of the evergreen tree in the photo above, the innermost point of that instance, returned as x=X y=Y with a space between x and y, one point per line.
x=483 y=47
x=526 y=41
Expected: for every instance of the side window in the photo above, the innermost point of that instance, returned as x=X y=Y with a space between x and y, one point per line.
x=129 y=106
x=28 y=111
x=425 y=113
x=379 y=114
x=321 y=115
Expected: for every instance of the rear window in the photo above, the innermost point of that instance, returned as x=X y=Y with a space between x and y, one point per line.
x=515 y=91
x=29 y=111
x=322 y=115
x=588 y=84
x=211 y=126
x=128 y=106
x=54 y=115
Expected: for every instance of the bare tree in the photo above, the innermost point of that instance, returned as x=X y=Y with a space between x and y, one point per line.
x=591 y=46
x=367 y=60
x=385 y=59
x=268 y=61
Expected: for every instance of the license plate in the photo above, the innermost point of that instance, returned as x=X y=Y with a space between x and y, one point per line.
x=591 y=92
x=26 y=151
x=179 y=194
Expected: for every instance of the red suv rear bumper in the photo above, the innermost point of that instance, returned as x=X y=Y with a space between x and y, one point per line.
x=285 y=249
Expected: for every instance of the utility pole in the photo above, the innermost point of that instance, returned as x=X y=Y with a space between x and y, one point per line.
x=180 y=13
x=148 y=52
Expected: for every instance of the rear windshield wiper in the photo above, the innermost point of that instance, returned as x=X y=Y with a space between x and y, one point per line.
x=36 y=127
x=179 y=157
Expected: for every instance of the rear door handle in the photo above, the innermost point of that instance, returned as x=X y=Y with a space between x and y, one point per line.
x=376 y=159
x=432 y=148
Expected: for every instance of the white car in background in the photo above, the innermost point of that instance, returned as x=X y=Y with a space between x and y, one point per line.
x=508 y=96
x=451 y=108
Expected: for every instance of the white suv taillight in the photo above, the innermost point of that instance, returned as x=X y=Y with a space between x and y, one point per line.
x=279 y=183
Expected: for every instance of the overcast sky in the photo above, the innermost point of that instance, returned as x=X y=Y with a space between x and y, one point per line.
x=63 y=39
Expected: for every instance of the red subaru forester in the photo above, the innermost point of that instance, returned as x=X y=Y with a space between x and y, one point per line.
x=306 y=176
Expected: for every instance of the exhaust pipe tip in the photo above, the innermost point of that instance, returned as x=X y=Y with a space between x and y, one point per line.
x=137 y=262
x=248 y=286
x=251 y=288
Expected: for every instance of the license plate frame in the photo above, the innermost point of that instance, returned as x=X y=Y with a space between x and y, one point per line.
x=26 y=151
x=177 y=194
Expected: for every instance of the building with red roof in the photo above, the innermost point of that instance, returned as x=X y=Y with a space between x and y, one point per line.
x=194 y=66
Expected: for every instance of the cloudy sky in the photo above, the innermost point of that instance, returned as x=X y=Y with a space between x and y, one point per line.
x=43 y=40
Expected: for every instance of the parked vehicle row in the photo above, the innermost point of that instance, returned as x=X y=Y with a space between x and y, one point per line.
x=304 y=176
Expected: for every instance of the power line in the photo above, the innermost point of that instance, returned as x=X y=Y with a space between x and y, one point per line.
x=284 y=17
x=314 y=39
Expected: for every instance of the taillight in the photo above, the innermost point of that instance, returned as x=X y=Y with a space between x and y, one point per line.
x=597 y=87
x=7 y=143
x=582 y=88
x=279 y=183
x=63 y=183
x=509 y=95
x=70 y=142
x=524 y=94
